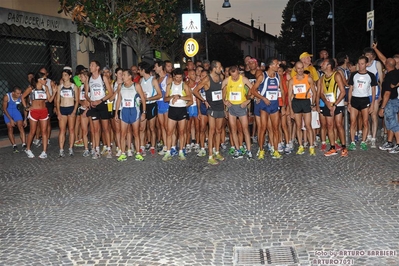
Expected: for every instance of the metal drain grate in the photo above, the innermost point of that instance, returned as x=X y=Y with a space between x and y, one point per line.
x=245 y=256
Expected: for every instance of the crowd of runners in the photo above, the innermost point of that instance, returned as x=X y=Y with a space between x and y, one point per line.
x=273 y=107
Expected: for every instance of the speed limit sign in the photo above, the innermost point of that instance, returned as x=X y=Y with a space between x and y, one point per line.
x=191 y=47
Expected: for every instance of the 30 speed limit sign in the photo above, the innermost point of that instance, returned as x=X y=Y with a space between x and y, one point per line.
x=191 y=47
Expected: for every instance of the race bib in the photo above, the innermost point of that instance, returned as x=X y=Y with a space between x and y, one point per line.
x=271 y=95
x=330 y=97
x=235 y=96
x=128 y=103
x=299 y=88
x=66 y=94
x=279 y=93
x=40 y=95
x=216 y=96
x=97 y=92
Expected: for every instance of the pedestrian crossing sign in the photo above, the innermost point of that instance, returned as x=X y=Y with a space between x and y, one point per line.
x=191 y=23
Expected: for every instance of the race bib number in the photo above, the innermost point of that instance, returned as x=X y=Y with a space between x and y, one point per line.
x=40 y=95
x=82 y=95
x=66 y=93
x=127 y=103
x=279 y=93
x=216 y=96
x=271 y=95
x=330 y=97
x=97 y=92
x=299 y=88
x=235 y=96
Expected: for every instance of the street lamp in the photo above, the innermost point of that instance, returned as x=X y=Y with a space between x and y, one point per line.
x=312 y=23
x=226 y=4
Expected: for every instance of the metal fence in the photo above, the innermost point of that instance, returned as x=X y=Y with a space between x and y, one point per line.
x=24 y=50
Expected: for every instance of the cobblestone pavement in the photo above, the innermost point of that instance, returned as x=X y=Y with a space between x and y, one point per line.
x=80 y=211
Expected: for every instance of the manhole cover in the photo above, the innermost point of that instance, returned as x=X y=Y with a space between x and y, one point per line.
x=246 y=256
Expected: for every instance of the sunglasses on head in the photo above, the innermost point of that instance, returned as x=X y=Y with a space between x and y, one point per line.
x=43 y=79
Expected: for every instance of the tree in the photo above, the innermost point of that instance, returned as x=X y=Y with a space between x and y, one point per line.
x=113 y=18
x=350 y=27
x=139 y=41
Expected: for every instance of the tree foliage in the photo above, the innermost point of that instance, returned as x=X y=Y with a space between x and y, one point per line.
x=113 y=18
x=350 y=27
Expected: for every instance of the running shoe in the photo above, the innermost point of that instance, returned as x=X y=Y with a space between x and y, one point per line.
x=337 y=147
x=78 y=143
x=24 y=147
x=43 y=155
x=147 y=146
x=373 y=145
x=277 y=155
x=129 y=153
x=344 y=152
x=36 y=142
x=96 y=155
x=363 y=146
x=352 y=146
x=249 y=155
x=182 y=156
x=232 y=150
x=237 y=154
x=218 y=157
x=280 y=147
x=387 y=146
x=301 y=150
x=142 y=151
x=86 y=153
x=201 y=153
x=71 y=152
x=212 y=161
x=162 y=152
x=118 y=152
x=104 y=150
x=139 y=157
x=261 y=155
x=122 y=158
x=152 y=151
x=174 y=152
x=167 y=157
x=312 y=151
x=15 y=149
x=223 y=146
x=196 y=148
x=29 y=153
x=109 y=154
x=287 y=149
x=242 y=150
x=395 y=149
x=62 y=153
x=331 y=152
x=188 y=148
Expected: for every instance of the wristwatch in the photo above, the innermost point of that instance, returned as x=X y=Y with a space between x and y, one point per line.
x=144 y=112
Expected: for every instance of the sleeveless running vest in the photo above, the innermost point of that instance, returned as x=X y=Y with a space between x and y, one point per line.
x=97 y=88
x=148 y=88
x=330 y=89
x=301 y=88
x=270 y=87
x=13 y=104
x=214 y=95
x=67 y=92
x=236 y=91
x=177 y=90
x=129 y=97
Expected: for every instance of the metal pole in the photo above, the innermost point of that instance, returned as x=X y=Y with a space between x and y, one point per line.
x=372 y=31
x=206 y=33
x=312 y=30
x=333 y=29
x=191 y=11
